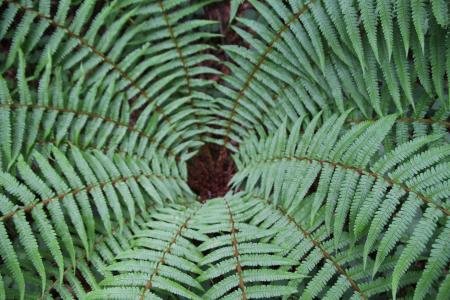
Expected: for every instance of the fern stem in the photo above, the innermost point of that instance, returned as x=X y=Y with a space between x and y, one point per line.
x=177 y=46
x=93 y=116
x=94 y=147
x=317 y=245
x=182 y=60
x=258 y=65
x=236 y=254
x=73 y=192
x=428 y=121
x=361 y=171
x=148 y=284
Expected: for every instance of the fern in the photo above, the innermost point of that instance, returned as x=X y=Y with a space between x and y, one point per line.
x=335 y=112
x=350 y=189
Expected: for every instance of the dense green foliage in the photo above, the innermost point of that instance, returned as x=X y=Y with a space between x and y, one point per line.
x=336 y=112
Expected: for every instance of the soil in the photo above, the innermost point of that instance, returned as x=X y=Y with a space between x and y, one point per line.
x=210 y=171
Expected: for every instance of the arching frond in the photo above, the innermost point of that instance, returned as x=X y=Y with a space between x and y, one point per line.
x=312 y=56
x=335 y=112
x=86 y=191
x=367 y=195
x=162 y=260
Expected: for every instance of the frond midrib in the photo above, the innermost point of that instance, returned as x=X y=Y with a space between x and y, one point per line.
x=234 y=243
x=87 y=188
x=318 y=245
x=183 y=226
x=258 y=65
x=94 y=116
x=425 y=199
x=159 y=109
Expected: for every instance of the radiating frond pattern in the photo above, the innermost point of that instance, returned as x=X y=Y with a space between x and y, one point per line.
x=335 y=112
x=385 y=205
x=376 y=57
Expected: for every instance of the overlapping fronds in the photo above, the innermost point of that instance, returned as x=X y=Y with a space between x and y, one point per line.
x=162 y=260
x=52 y=114
x=240 y=262
x=93 y=118
x=139 y=54
x=158 y=44
x=69 y=284
x=377 y=57
x=72 y=199
x=98 y=106
x=215 y=245
x=336 y=112
x=388 y=204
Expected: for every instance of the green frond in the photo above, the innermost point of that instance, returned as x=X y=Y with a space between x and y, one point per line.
x=358 y=188
x=419 y=17
x=79 y=195
x=170 y=270
x=335 y=115
x=234 y=6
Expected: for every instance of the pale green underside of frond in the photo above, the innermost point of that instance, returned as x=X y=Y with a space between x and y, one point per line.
x=372 y=215
x=376 y=57
x=336 y=113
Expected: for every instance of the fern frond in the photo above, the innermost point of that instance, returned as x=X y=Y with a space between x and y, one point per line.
x=302 y=80
x=83 y=190
x=142 y=267
x=366 y=188
x=117 y=65
x=335 y=112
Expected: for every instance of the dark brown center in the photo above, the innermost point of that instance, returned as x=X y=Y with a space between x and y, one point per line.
x=210 y=171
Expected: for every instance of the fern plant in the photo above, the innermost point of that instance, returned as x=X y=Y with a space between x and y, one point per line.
x=335 y=112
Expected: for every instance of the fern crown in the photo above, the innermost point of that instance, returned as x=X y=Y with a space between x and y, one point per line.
x=335 y=114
